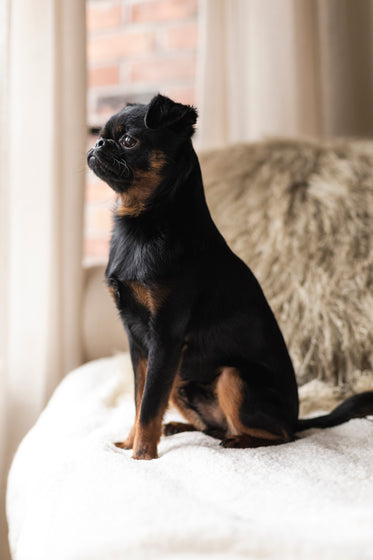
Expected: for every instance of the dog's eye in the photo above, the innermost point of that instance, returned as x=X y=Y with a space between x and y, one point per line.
x=128 y=141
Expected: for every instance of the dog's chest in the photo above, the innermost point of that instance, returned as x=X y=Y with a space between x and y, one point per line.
x=140 y=306
x=134 y=296
x=141 y=259
x=150 y=298
x=133 y=279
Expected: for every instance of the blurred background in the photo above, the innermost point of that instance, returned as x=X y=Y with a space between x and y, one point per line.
x=254 y=68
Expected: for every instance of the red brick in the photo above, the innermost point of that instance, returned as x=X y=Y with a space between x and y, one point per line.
x=163 y=69
x=182 y=37
x=103 y=76
x=103 y=15
x=185 y=95
x=163 y=10
x=123 y=44
x=96 y=247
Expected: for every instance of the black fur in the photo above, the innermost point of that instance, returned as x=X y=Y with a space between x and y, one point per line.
x=208 y=312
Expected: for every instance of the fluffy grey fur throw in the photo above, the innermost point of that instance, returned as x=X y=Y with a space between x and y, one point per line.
x=300 y=214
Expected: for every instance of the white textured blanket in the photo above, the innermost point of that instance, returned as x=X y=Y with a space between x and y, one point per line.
x=73 y=496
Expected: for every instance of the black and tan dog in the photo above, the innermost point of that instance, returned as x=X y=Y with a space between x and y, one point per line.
x=201 y=332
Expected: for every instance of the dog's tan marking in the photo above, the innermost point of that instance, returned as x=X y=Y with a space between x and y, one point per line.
x=133 y=202
x=147 y=437
x=230 y=391
x=140 y=383
x=112 y=293
x=151 y=298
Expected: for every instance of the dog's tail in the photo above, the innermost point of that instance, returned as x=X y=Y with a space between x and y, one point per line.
x=358 y=406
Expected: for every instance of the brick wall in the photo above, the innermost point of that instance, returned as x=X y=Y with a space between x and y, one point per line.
x=135 y=48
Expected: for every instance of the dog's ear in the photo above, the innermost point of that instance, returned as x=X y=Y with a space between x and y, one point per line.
x=165 y=113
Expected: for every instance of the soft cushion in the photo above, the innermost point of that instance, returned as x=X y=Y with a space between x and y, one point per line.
x=72 y=495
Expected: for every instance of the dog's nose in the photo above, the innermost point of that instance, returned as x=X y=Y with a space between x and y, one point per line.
x=100 y=142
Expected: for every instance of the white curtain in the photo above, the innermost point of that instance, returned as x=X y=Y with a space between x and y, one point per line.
x=284 y=68
x=42 y=147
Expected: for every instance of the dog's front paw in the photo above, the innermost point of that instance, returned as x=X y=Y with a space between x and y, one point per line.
x=145 y=453
x=146 y=441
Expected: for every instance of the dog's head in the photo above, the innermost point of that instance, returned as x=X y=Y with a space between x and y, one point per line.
x=137 y=147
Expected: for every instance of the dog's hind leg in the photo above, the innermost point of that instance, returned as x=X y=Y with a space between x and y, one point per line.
x=199 y=406
x=180 y=399
x=230 y=391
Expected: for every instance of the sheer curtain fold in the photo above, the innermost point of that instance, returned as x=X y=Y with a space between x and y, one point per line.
x=43 y=136
x=284 y=68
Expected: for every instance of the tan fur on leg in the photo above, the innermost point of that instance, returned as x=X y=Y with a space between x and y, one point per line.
x=230 y=392
x=141 y=376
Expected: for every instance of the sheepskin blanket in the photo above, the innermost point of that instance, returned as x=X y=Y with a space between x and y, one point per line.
x=300 y=214
x=72 y=495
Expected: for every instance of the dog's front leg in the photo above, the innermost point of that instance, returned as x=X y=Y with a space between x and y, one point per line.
x=139 y=365
x=163 y=361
